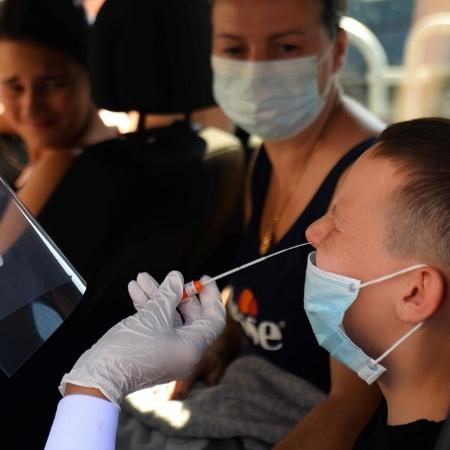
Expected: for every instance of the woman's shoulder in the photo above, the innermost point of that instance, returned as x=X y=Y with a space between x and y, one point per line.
x=360 y=119
x=352 y=125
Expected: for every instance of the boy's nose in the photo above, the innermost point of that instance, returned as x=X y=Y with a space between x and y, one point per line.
x=318 y=230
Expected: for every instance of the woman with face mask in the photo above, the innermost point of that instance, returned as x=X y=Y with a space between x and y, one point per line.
x=275 y=66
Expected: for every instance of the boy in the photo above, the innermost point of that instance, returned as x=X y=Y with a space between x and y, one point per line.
x=389 y=226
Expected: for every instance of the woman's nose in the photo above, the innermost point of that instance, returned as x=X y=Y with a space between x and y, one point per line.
x=257 y=52
x=32 y=102
x=256 y=55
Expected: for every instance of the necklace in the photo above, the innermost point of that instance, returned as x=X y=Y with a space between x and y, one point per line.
x=267 y=238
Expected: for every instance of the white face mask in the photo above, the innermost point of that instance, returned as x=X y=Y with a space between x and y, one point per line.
x=275 y=100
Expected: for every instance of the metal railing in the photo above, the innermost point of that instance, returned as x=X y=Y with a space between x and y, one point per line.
x=381 y=76
x=422 y=81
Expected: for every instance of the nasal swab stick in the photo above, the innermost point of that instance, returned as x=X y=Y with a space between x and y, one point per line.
x=195 y=287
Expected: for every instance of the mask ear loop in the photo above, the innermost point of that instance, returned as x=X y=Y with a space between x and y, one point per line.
x=327 y=88
x=325 y=56
x=352 y=287
x=400 y=341
x=392 y=275
x=410 y=332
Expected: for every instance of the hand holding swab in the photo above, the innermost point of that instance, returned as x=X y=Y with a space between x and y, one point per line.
x=194 y=287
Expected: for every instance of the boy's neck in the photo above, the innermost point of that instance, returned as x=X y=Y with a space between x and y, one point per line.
x=415 y=395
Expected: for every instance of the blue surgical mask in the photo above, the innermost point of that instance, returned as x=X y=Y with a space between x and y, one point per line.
x=274 y=100
x=326 y=299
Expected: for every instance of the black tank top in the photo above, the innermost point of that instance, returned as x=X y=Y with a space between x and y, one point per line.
x=267 y=298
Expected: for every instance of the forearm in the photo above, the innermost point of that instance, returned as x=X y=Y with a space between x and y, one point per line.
x=48 y=172
x=84 y=420
x=83 y=390
x=334 y=424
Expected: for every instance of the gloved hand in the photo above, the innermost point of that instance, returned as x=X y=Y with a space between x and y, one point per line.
x=143 y=289
x=152 y=346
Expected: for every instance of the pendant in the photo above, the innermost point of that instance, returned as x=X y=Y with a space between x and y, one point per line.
x=265 y=243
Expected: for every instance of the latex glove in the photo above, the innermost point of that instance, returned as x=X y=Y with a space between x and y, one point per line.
x=143 y=289
x=148 y=348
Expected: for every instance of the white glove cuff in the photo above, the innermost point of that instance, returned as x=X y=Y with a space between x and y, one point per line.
x=112 y=393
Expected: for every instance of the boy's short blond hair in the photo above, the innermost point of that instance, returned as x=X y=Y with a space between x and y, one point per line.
x=418 y=216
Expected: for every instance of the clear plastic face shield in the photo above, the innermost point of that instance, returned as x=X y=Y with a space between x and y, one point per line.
x=38 y=286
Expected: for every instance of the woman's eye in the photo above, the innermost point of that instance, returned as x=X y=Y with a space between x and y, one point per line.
x=288 y=48
x=54 y=85
x=14 y=89
x=233 y=51
x=281 y=50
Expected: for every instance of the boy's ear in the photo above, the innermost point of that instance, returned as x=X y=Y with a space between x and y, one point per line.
x=423 y=296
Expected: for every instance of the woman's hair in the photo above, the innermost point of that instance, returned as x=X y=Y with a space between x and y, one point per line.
x=332 y=12
x=418 y=215
x=58 y=24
